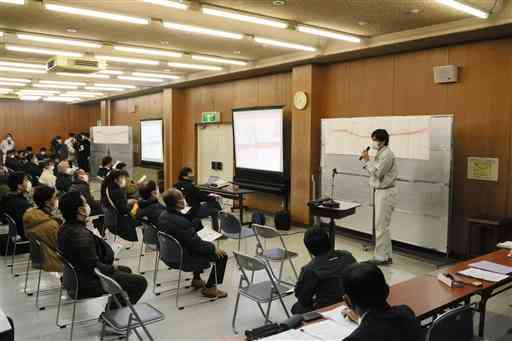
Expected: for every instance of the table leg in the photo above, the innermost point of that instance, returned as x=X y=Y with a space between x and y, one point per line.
x=332 y=233
x=482 y=308
x=241 y=203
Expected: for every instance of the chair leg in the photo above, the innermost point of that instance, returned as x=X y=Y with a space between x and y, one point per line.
x=267 y=315
x=12 y=260
x=293 y=268
x=102 y=335
x=281 y=270
x=155 y=273
x=129 y=330
x=233 y=322
x=39 y=290
x=178 y=291
x=73 y=320
x=26 y=279
x=141 y=254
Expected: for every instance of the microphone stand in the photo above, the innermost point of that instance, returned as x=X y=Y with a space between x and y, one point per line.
x=331 y=203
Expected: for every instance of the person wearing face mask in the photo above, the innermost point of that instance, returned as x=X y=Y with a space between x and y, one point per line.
x=81 y=185
x=6 y=145
x=106 y=166
x=202 y=204
x=15 y=202
x=64 y=177
x=86 y=251
x=48 y=177
x=33 y=169
x=366 y=297
x=383 y=172
x=42 y=156
x=11 y=161
x=172 y=222
x=131 y=186
x=150 y=206
x=41 y=221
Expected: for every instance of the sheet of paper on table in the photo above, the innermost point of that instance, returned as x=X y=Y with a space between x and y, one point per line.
x=483 y=275
x=4 y=322
x=492 y=267
x=208 y=234
x=327 y=330
x=336 y=315
x=290 y=335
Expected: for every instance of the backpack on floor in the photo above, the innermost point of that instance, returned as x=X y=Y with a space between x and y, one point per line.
x=258 y=218
x=282 y=220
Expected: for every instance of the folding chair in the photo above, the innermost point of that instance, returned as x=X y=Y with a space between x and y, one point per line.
x=231 y=227
x=149 y=241
x=264 y=292
x=456 y=324
x=129 y=318
x=175 y=257
x=279 y=254
x=15 y=239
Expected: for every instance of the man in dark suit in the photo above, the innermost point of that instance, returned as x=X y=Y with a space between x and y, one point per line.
x=366 y=296
x=149 y=205
x=178 y=226
x=14 y=203
x=320 y=283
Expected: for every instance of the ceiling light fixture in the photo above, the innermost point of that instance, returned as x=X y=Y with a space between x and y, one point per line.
x=153 y=52
x=29 y=97
x=17 y=80
x=101 y=88
x=13 y=2
x=83 y=75
x=58 y=41
x=464 y=8
x=5 y=90
x=38 y=92
x=83 y=94
x=243 y=17
x=195 y=66
x=279 y=2
x=55 y=86
x=38 y=50
x=109 y=85
x=111 y=72
x=279 y=43
x=61 y=99
x=202 y=30
x=141 y=79
x=154 y=75
x=62 y=83
x=219 y=60
x=20 y=70
x=12 y=84
x=328 y=34
x=168 y=3
x=23 y=65
x=128 y=60
x=96 y=14
x=1 y=34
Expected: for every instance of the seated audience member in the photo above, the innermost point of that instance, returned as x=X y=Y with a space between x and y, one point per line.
x=149 y=205
x=85 y=251
x=48 y=177
x=32 y=168
x=81 y=185
x=131 y=186
x=42 y=156
x=196 y=197
x=12 y=161
x=106 y=166
x=64 y=177
x=42 y=222
x=178 y=226
x=366 y=296
x=14 y=203
x=6 y=145
x=320 y=284
x=4 y=180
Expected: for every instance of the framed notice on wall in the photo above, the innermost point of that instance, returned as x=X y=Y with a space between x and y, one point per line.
x=483 y=168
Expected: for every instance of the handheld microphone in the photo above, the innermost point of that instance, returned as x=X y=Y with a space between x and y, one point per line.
x=334 y=172
x=366 y=150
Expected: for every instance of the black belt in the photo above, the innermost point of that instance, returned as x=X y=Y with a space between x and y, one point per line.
x=389 y=187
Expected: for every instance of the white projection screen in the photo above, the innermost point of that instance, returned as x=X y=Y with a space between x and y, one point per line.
x=258 y=139
x=151 y=141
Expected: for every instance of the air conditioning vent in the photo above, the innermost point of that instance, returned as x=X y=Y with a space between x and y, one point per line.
x=83 y=62
x=79 y=65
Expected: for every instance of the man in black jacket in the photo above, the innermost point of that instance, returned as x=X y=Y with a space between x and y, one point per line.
x=81 y=185
x=366 y=296
x=178 y=226
x=11 y=161
x=195 y=197
x=64 y=177
x=14 y=203
x=85 y=251
x=320 y=283
x=149 y=205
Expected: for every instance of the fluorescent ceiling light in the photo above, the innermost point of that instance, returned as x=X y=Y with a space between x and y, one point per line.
x=62 y=83
x=219 y=60
x=464 y=8
x=5 y=90
x=19 y=80
x=20 y=70
x=59 y=41
x=61 y=99
x=153 y=52
x=29 y=97
x=128 y=60
x=102 y=88
x=243 y=17
x=13 y=2
x=37 y=92
x=155 y=75
x=202 y=30
x=168 y=3
x=111 y=85
x=39 y=50
x=83 y=94
x=12 y=84
x=96 y=14
x=83 y=75
x=54 y=86
x=328 y=34
x=111 y=72
x=279 y=43
x=27 y=65
x=195 y=66
x=141 y=79
x=1 y=34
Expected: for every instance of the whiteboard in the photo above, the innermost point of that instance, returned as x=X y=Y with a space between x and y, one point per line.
x=214 y=143
x=422 y=215
x=111 y=135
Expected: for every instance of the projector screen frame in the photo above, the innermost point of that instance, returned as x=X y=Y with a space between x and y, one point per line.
x=279 y=180
x=152 y=164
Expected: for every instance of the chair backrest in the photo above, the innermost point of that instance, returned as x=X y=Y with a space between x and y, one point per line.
x=108 y=284
x=456 y=324
x=150 y=233
x=44 y=246
x=266 y=232
x=13 y=231
x=171 y=252
x=36 y=253
x=69 y=275
x=229 y=223
x=248 y=263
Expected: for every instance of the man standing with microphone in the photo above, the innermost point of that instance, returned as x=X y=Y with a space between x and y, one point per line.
x=383 y=174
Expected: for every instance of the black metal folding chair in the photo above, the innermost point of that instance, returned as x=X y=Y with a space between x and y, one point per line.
x=456 y=324
x=149 y=241
x=14 y=239
x=231 y=228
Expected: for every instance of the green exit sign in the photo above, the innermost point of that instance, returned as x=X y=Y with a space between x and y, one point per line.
x=210 y=117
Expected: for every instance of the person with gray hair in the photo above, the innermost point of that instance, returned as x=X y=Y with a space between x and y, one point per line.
x=64 y=176
x=81 y=185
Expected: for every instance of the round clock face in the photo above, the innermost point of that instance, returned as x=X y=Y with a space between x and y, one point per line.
x=300 y=100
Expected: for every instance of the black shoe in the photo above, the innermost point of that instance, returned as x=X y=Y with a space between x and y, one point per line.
x=378 y=262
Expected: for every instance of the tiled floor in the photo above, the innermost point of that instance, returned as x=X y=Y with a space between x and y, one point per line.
x=206 y=321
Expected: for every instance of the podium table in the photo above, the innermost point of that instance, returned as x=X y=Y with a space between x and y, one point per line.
x=345 y=210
